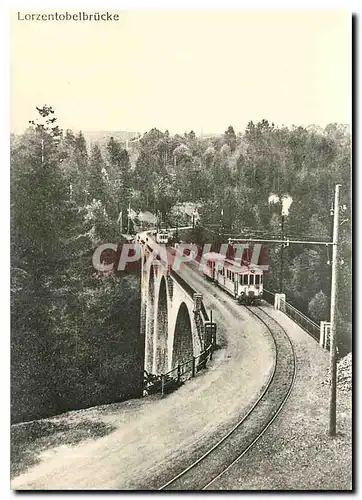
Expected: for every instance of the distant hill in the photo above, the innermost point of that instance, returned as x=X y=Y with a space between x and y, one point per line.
x=103 y=136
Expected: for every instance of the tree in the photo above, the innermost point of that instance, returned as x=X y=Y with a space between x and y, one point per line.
x=164 y=195
x=42 y=221
x=96 y=175
x=81 y=153
x=304 y=278
x=68 y=321
x=100 y=227
x=209 y=157
x=230 y=138
x=119 y=178
x=45 y=124
x=73 y=156
x=318 y=307
x=225 y=150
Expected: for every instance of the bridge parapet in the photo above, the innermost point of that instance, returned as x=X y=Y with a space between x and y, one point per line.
x=279 y=301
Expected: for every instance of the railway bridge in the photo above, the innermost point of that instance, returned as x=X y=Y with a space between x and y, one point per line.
x=173 y=316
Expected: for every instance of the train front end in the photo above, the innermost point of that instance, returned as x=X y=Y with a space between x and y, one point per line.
x=250 y=289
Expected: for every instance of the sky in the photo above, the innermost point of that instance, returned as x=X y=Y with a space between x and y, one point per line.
x=181 y=70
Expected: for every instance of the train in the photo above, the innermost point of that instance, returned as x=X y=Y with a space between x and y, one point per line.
x=242 y=280
x=162 y=237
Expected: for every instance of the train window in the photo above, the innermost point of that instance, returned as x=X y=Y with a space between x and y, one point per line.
x=245 y=279
x=257 y=279
x=251 y=281
x=232 y=276
x=241 y=279
x=261 y=278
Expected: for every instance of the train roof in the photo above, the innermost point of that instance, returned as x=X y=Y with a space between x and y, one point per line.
x=214 y=256
x=239 y=267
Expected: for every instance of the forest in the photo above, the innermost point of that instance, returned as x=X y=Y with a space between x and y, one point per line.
x=74 y=332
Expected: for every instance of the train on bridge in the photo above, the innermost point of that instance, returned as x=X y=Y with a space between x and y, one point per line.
x=242 y=280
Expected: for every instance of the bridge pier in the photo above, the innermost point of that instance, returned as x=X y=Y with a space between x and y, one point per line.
x=172 y=328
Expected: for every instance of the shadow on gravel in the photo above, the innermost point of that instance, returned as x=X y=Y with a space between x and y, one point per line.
x=28 y=440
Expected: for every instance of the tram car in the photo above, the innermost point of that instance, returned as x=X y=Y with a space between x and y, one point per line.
x=244 y=281
x=162 y=237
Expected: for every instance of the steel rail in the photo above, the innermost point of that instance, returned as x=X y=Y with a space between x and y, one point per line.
x=285 y=399
x=247 y=415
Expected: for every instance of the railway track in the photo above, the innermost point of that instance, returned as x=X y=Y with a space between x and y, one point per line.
x=204 y=473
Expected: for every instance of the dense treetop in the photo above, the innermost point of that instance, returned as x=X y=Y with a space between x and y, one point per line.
x=67 y=196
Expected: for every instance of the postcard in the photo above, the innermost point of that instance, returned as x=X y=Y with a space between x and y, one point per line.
x=181 y=251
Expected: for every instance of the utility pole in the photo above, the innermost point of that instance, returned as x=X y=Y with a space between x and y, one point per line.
x=42 y=148
x=176 y=233
x=221 y=230
x=333 y=311
x=281 y=257
x=121 y=221
x=194 y=214
x=129 y=217
x=333 y=334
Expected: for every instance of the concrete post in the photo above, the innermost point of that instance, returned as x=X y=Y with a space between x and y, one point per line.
x=276 y=301
x=282 y=301
x=321 y=333
x=279 y=301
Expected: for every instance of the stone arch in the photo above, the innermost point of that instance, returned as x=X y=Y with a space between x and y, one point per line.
x=182 y=345
x=160 y=352
x=150 y=327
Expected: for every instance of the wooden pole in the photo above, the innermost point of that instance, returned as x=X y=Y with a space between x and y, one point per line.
x=281 y=258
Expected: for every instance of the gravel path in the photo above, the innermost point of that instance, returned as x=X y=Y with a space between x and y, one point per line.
x=205 y=472
x=157 y=436
x=296 y=452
